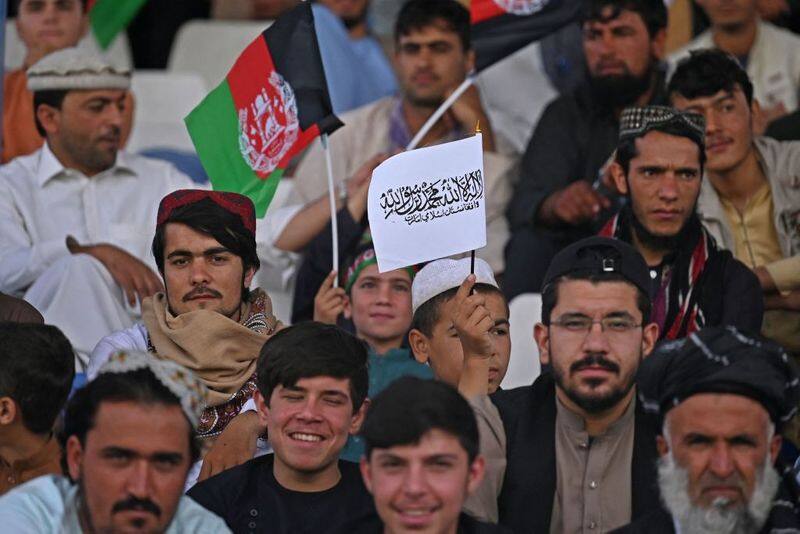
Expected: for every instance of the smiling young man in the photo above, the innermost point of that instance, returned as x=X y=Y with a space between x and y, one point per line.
x=576 y=439
x=693 y=283
x=724 y=399
x=312 y=386
x=207 y=319
x=129 y=442
x=750 y=199
x=421 y=461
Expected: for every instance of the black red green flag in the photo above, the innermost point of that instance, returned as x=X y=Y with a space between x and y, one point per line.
x=272 y=104
x=501 y=27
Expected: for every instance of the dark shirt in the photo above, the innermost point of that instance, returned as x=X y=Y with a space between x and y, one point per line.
x=466 y=525
x=249 y=499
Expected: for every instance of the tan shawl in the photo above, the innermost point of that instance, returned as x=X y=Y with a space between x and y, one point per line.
x=221 y=352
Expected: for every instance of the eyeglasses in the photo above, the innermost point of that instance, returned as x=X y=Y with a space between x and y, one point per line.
x=608 y=325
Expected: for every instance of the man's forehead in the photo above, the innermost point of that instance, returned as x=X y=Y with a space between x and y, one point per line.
x=437 y=30
x=321 y=384
x=667 y=148
x=433 y=443
x=682 y=102
x=120 y=424
x=84 y=95
x=613 y=16
x=183 y=237
x=717 y=413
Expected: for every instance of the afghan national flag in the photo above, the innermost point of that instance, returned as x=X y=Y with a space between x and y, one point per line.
x=501 y=27
x=109 y=17
x=272 y=104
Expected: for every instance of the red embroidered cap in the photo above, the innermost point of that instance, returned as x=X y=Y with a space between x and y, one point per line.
x=232 y=202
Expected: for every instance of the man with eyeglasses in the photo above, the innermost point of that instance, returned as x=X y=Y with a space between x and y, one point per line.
x=693 y=283
x=575 y=449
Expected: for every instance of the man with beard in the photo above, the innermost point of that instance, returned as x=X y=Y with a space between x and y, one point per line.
x=433 y=56
x=76 y=215
x=659 y=167
x=561 y=195
x=751 y=193
x=724 y=398
x=207 y=319
x=129 y=442
x=574 y=451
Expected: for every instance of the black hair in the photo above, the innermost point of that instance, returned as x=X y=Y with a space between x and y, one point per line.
x=209 y=218
x=37 y=366
x=410 y=408
x=652 y=12
x=626 y=150
x=706 y=72
x=17 y=3
x=51 y=97
x=140 y=386
x=417 y=14
x=550 y=293
x=312 y=349
x=428 y=314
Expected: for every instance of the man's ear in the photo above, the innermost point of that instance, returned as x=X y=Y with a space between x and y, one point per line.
x=366 y=473
x=662 y=446
x=470 y=60
x=74 y=455
x=358 y=417
x=347 y=311
x=419 y=345
x=649 y=338
x=775 y=447
x=49 y=117
x=541 y=334
x=618 y=175
x=261 y=408
x=8 y=410
x=476 y=471
x=248 y=276
x=658 y=44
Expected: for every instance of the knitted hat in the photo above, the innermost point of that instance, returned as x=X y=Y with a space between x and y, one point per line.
x=75 y=68
x=637 y=121
x=239 y=205
x=440 y=275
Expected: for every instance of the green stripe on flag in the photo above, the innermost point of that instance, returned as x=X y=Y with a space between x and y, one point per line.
x=214 y=128
x=109 y=17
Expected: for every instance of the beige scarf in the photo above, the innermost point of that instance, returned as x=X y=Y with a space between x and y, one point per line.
x=221 y=352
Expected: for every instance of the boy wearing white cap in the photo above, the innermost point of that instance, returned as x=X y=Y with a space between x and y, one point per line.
x=437 y=302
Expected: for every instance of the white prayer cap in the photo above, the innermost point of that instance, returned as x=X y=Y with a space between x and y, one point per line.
x=75 y=68
x=440 y=275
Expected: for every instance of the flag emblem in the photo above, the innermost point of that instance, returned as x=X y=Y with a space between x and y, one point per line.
x=521 y=7
x=269 y=126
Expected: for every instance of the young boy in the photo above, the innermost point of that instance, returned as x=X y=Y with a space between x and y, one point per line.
x=312 y=386
x=421 y=461
x=433 y=337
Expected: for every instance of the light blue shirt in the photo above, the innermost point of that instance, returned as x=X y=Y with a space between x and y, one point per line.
x=48 y=504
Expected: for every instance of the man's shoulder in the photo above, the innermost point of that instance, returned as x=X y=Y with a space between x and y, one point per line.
x=511 y=403
x=21 y=170
x=192 y=517
x=781 y=159
x=701 y=41
x=37 y=504
x=381 y=108
x=778 y=35
x=133 y=338
x=152 y=168
x=233 y=481
x=470 y=525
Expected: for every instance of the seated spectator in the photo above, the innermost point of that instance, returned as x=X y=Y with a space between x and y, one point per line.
x=576 y=439
x=751 y=191
x=765 y=50
x=379 y=305
x=36 y=371
x=207 y=319
x=723 y=398
x=441 y=291
x=422 y=461
x=18 y=311
x=312 y=386
x=129 y=442
x=693 y=283
x=563 y=194
x=76 y=215
x=433 y=56
x=43 y=26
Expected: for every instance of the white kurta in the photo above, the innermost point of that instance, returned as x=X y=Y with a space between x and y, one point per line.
x=41 y=203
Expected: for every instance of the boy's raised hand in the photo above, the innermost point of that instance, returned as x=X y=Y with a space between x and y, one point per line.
x=329 y=301
x=473 y=321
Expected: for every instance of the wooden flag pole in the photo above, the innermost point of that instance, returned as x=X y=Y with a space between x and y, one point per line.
x=468 y=81
x=332 y=198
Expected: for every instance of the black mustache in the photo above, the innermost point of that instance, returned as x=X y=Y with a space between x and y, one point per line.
x=135 y=504
x=594 y=360
x=201 y=290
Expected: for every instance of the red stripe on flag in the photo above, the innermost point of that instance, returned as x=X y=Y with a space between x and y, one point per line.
x=481 y=10
x=250 y=74
x=305 y=137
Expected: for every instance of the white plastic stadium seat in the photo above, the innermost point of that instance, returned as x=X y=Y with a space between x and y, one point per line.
x=118 y=54
x=163 y=99
x=209 y=47
x=526 y=311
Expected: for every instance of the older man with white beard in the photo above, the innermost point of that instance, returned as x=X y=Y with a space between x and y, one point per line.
x=723 y=398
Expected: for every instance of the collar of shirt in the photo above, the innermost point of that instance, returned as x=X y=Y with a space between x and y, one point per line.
x=49 y=167
x=575 y=423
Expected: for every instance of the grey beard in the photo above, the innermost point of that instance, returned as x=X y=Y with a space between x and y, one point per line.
x=673 y=481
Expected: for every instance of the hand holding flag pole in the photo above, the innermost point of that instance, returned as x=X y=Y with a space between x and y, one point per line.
x=332 y=200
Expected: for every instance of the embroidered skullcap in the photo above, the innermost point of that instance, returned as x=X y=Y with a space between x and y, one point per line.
x=191 y=392
x=720 y=360
x=76 y=68
x=598 y=256
x=635 y=122
x=239 y=205
x=364 y=258
x=440 y=275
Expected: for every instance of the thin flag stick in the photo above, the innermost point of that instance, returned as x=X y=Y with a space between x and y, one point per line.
x=332 y=198
x=469 y=80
